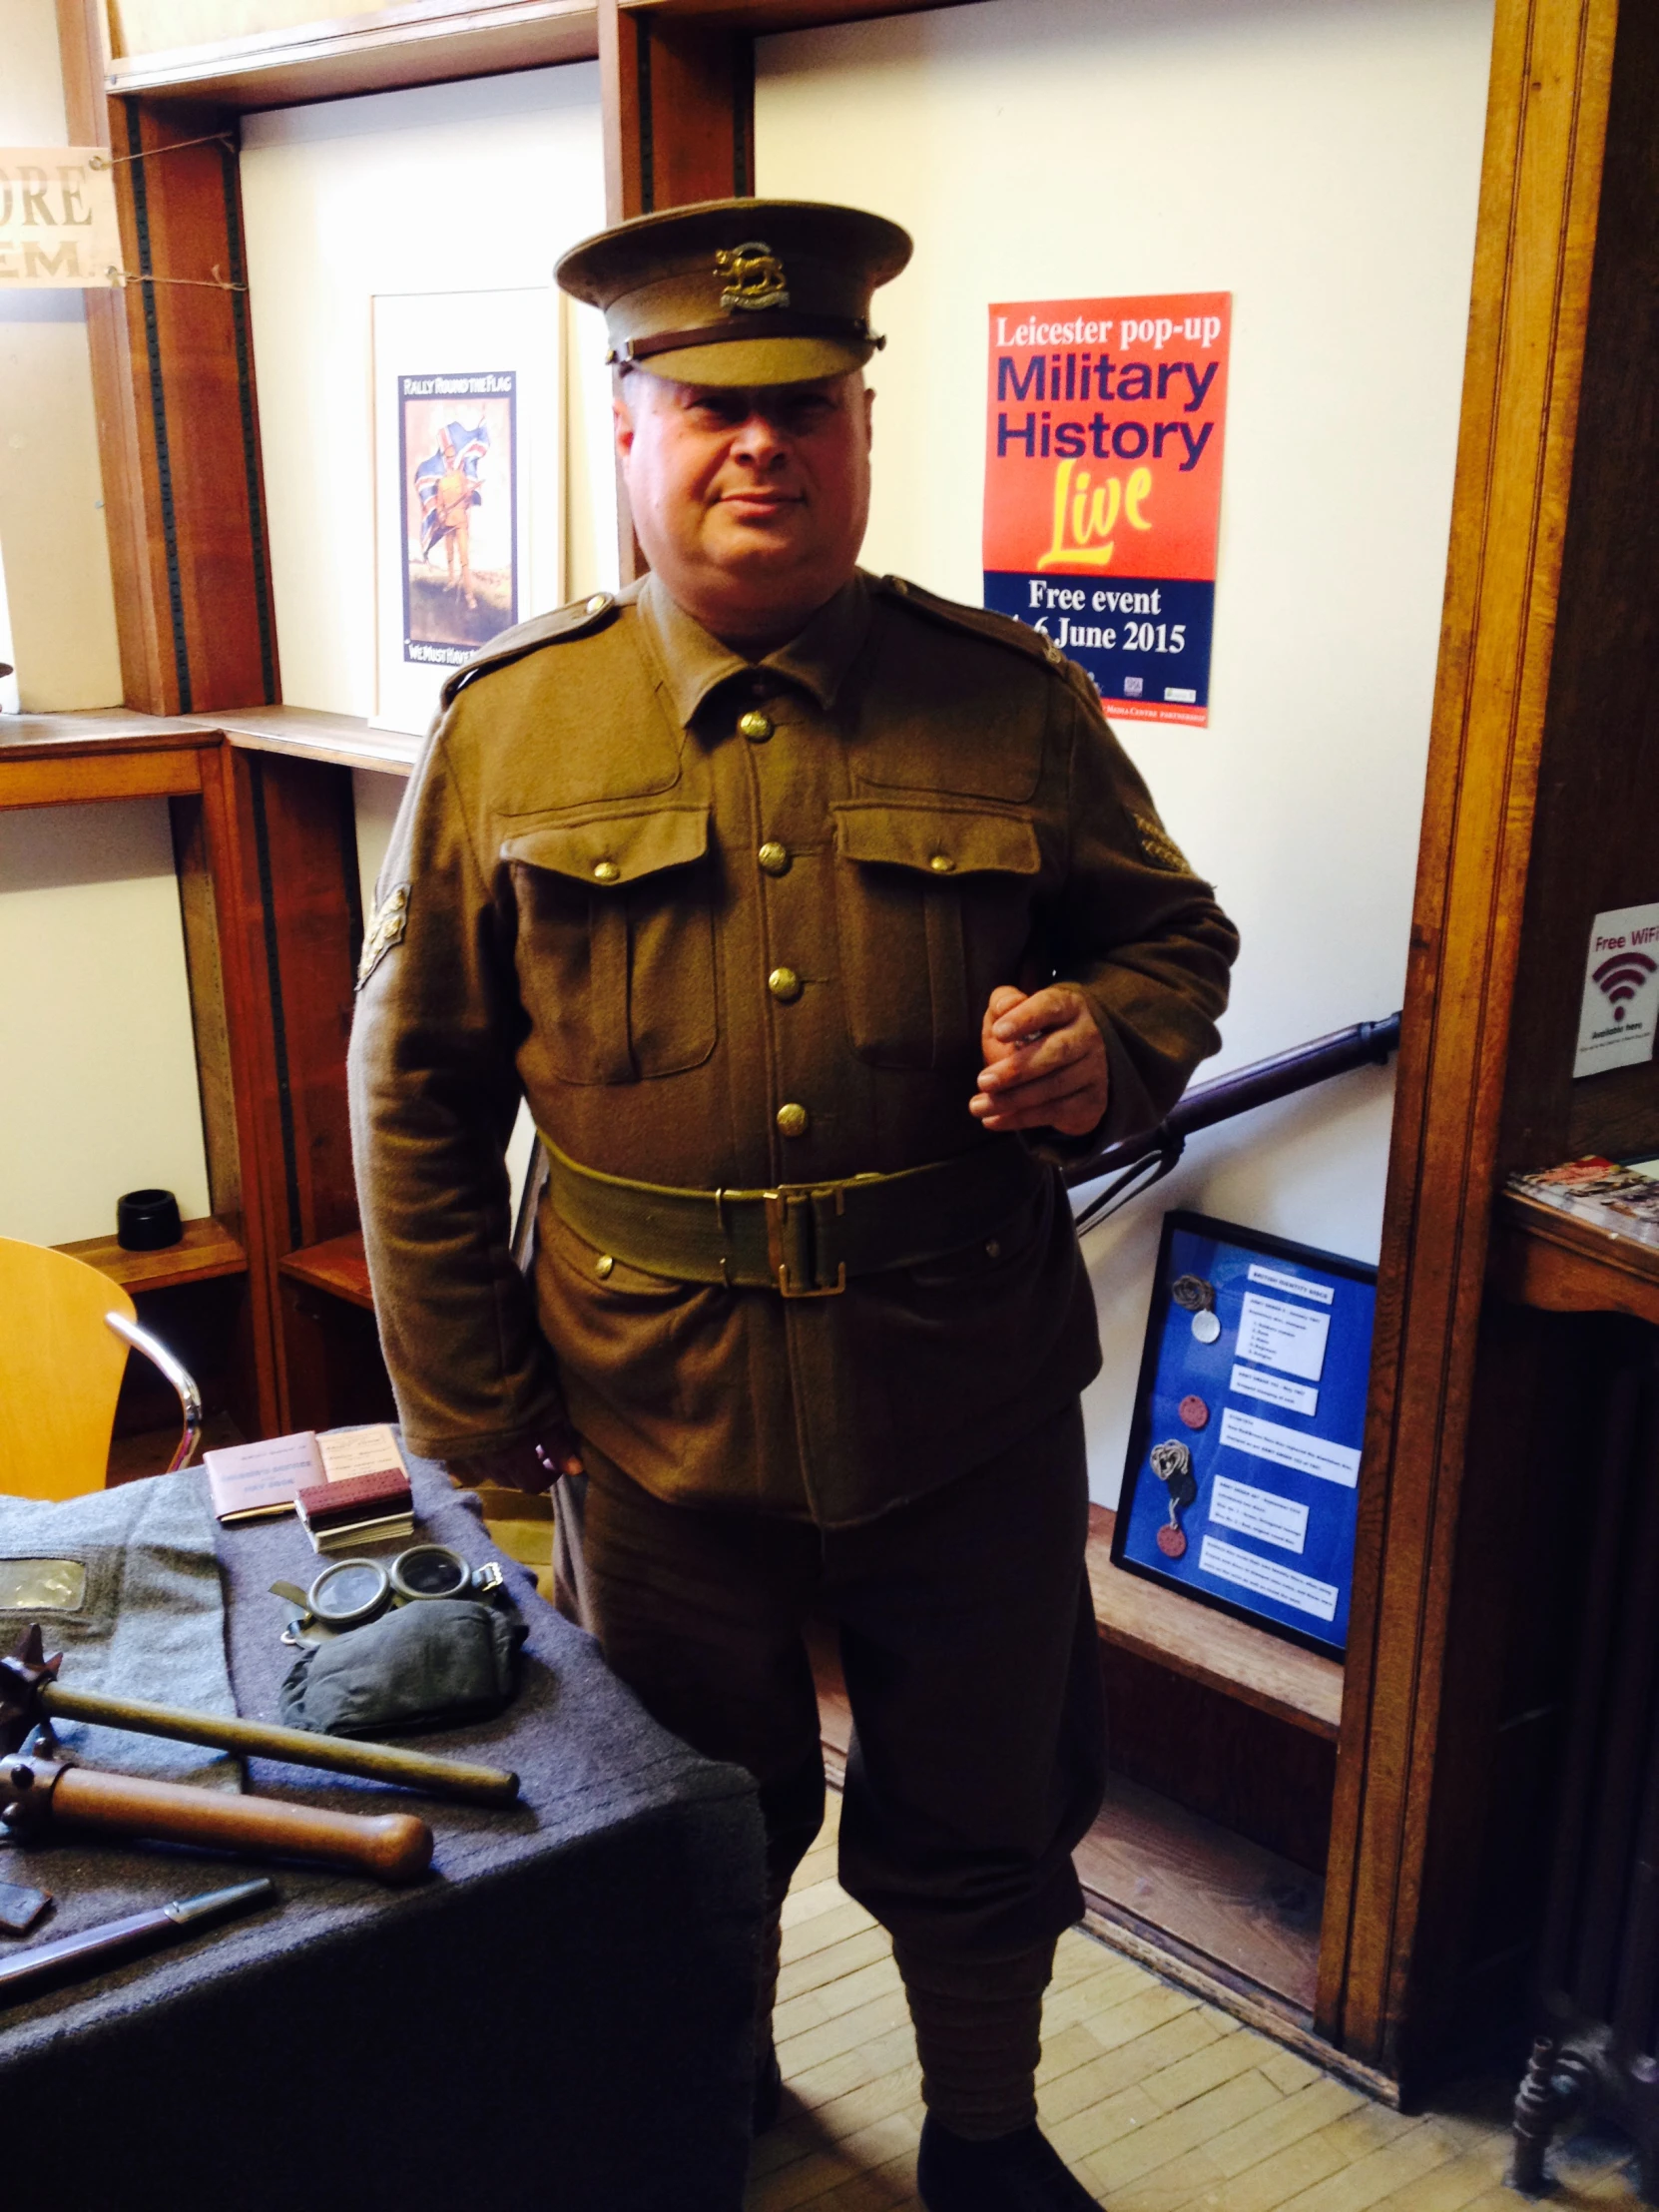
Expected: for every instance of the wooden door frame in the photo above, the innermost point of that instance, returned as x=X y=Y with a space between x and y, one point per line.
x=677 y=87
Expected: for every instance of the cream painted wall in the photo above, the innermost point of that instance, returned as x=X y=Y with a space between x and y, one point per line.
x=52 y=538
x=97 y=1063
x=464 y=187
x=1320 y=160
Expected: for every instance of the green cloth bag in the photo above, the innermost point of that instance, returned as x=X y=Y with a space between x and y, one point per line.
x=430 y=1665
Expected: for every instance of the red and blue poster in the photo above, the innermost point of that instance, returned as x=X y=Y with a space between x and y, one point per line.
x=1103 y=454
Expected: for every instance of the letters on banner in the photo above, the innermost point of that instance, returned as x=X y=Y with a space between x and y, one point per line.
x=1104 y=430
x=58 y=224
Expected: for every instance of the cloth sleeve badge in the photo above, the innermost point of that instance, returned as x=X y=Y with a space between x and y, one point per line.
x=386 y=926
x=1158 y=846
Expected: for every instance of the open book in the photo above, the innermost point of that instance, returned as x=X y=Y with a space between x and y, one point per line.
x=258 y=1481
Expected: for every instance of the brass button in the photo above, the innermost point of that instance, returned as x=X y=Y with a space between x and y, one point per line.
x=602 y=1267
x=775 y=858
x=784 y=983
x=606 y=872
x=598 y=603
x=792 y=1120
x=754 y=725
x=993 y=1250
x=941 y=864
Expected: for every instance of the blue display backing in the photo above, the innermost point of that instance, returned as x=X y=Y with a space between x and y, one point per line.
x=1177 y=1364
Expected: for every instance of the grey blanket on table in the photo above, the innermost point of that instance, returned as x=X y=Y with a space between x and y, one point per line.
x=560 y=2015
x=152 y=1620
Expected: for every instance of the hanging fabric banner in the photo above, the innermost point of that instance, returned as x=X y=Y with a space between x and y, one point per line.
x=1103 y=452
x=58 y=224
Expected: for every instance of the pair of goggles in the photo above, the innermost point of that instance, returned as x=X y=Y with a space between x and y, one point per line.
x=350 y=1593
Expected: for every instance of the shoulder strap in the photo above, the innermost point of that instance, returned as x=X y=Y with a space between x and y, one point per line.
x=1020 y=637
x=579 y=620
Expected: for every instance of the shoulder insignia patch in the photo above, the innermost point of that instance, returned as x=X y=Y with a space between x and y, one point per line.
x=579 y=620
x=997 y=629
x=1158 y=846
x=386 y=926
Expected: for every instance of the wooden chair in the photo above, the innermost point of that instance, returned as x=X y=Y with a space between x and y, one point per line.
x=65 y=1330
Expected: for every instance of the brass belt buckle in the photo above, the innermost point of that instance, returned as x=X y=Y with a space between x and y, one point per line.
x=791 y=1243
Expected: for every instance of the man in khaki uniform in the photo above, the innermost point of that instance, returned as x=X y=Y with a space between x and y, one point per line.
x=816 y=918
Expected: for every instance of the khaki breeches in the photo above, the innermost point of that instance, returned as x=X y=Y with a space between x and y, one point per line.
x=967 y=1641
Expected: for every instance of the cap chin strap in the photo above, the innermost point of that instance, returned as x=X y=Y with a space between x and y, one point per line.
x=778 y=323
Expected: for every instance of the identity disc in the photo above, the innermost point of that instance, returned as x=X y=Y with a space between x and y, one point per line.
x=1193 y=1411
x=1172 y=1542
x=1205 y=1328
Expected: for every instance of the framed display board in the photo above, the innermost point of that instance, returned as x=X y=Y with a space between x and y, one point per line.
x=1243 y=1453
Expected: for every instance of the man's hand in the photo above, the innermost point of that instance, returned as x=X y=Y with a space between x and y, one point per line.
x=1045 y=1062
x=535 y=1466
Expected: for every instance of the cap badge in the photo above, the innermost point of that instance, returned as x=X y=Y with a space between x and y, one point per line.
x=753 y=276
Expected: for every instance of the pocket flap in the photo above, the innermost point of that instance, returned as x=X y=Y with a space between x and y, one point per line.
x=611 y=849
x=943 y=841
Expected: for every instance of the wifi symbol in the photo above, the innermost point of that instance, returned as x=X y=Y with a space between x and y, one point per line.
x=1622 y=977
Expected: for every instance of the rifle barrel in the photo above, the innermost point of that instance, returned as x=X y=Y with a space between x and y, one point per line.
x=1367 y=1043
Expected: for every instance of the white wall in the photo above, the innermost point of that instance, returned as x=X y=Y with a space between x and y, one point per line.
x=1320 y=160
x=97 y=1063
x=452 y=188
x=52 y=537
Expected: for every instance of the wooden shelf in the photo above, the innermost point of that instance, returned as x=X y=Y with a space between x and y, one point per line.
x=1208 y=1647
x=207 y=1249
x=343 y=741
x=430 y=42
x=338 y=1267
x=1542 y=1256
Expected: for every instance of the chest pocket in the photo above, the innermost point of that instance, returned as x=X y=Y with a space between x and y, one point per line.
x=615 y=959
x=933 y=905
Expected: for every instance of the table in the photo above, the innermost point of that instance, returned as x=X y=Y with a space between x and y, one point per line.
x=560 y=2014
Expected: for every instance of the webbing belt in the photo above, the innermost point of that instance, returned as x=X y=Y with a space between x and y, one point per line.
x=803 y=1240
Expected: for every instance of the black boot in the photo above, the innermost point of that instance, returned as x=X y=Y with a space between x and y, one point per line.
x=1022 y=2172
x=768 y=2091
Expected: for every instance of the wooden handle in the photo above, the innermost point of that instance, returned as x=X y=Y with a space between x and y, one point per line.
x=394 y=1847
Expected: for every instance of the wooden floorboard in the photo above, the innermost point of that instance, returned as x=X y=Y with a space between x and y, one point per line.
x=1160 y=2101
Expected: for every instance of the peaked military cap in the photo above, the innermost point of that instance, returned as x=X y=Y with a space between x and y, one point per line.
x=740 y=292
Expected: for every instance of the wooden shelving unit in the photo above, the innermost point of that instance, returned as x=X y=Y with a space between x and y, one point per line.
x=206 y=1251
x=1228 y=1656
x=338 y=1268
x=1543 y=1258
x=430 y=42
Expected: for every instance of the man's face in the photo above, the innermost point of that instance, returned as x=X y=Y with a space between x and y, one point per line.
x=749 y=502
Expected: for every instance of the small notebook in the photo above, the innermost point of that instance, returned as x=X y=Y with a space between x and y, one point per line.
x=257 y=1481
x=365 y=1509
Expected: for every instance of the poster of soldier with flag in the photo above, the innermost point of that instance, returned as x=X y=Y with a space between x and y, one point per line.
x=468 y=482
x=458 y=479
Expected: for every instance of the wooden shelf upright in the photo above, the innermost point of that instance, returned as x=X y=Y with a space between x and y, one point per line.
x=1411 y=1819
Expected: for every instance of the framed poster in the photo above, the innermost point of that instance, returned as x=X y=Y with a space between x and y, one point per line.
x=1240 y=1483
x=469 y=504
x=1104 y=426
